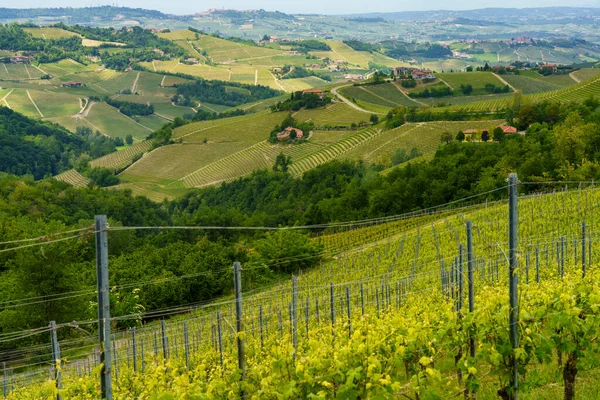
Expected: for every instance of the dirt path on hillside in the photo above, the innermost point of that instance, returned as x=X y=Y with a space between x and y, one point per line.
x=135 y=83
x=576 y=79
x=408 y=97
x=348 y=102
x=35 y=105
x=503 y=81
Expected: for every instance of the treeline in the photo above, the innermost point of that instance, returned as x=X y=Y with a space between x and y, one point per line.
x=42 y=149
x=135 y=37
x=300 y=100
x=130 y=109
x=220 y=92
x=309 y=45
x=445 y=91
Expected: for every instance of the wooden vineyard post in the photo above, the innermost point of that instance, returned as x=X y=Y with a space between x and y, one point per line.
x=470 y=267
x=134 y=349
x=56 y=359
x=349 y=312
x=163 y=327
x=186 y=340
x=513 y=280
x=537 y=265
x=220 y=341
x=237 y=281
x=103 y=306
x=295 y=315
x=583 y=249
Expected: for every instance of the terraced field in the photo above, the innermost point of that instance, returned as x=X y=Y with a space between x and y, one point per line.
x=586 y=73
x=477 y=79
x=573 y=93
x=122 y=158
x=297 y=84
x=261 y=155
x=248 y=129
x=337 y=114
x=19 y=72
x=176 y=161
x=66 y=67
x=73 y=178
x=18 y=100
x=333 y=151
x=55 y=104
x=425 y=137
x=387 y=95
x=528 y=85
x=111 y=122
x=341 y=51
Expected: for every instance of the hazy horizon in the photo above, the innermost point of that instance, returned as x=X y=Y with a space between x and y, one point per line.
x=332 y=7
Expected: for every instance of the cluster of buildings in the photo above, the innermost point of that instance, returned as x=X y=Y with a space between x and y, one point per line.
x=71 y=84
x=507 y=129
x=415 y=73
x=20 y=59
x=287 y=132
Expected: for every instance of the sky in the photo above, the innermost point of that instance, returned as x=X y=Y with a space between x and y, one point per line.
x=304 y=6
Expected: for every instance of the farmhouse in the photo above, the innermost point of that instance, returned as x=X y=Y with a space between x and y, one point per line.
x=277 y=70
x=416 y=73
x=19 y=59
x=291 y=53
x=191 y=61
x=71 y=84
x=552 y=67
x=508 y=129
x=422 y=75
x=287 y=132
x=354 y=77
x=318 y=92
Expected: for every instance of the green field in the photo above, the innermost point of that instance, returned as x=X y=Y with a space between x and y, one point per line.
x=337 y=114
x=574 y=93
x=387 y=95
x=477 y=79
x=55 y=104
x=50 y=33
x=528 y=85
x=111 y=122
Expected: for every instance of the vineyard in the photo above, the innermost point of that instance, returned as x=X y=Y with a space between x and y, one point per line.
x=73 y=177
x=122 y=158
x=573 y=93
x=402 y=307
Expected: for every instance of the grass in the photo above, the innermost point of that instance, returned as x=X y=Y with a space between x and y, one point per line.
x=337 y=114
x=118 y=81
x=19 y=101
x=477 y=79
x=49 y=33
x=586 y=73
x=528 y=85
x=66 y=67
x=111 y=122
x=19 y=72
x=387 y=95
x=55 y=104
